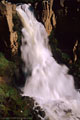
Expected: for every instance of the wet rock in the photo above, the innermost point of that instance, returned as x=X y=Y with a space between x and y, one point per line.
x=35 y=109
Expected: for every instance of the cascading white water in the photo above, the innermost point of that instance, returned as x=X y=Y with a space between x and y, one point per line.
x=49 y=84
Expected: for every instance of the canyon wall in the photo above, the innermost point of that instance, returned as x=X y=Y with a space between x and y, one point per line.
x=67 y=31
x=8 y=37
x=60 y=16
x=45 y=14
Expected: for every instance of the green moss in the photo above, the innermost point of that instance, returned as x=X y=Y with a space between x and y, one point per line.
x=65 y=57
x=3 y=62
x=6 y=67
x=11 y=103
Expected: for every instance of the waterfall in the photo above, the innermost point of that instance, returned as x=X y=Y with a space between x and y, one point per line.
x=49 y=82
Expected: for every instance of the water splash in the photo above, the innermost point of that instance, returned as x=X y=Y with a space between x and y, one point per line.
x=49 y=83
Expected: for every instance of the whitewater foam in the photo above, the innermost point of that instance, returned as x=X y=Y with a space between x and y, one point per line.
x=49 y=84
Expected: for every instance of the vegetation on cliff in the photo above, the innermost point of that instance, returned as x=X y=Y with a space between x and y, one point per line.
x=12 y=104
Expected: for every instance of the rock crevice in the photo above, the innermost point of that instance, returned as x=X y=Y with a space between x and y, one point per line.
x=45 y=14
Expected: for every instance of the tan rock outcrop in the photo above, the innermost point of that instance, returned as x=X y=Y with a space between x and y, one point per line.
x=46 y=14
x=6 y=13
x=8 y=37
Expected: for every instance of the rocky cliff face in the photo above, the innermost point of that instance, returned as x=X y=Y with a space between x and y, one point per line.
x=67 y=31
x=64 y=16
x=66 y=24
x=8 y=37
x=45 y=14
x=48 y=16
